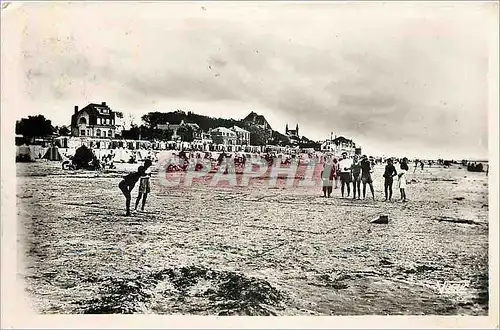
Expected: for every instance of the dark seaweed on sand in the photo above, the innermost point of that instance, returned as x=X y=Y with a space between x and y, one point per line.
x=230 y=293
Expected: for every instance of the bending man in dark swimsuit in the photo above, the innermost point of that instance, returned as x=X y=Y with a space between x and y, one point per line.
x=128 y=183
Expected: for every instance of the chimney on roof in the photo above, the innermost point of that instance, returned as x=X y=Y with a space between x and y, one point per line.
x=103 y=104
x=76 y=109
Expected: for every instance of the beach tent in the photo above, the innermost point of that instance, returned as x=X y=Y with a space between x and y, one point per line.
x=62 y=141
x=122 y=155
x=52 y=153
x=140 y=155
x=23 y=154
x=37 y=151
x=83 y=156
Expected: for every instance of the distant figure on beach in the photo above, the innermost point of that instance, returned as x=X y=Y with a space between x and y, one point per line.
x=366 y=175
x=336 y=177
x=402 y=178
x=356 y=177
x=183 y=156
x=221 y=158
x=389 y=174
x=422 y=165
x=144 y=185
x=345 y=174
x=327 y=176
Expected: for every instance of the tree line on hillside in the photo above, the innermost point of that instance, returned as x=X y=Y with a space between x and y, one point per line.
x=39 y=127
x=258 y=136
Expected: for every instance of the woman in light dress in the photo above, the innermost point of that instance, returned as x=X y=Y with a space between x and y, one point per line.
x=402 y=178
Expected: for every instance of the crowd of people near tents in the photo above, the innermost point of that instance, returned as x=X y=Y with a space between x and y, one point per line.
x=107 y=157
x=350 y=173
x=83 y=155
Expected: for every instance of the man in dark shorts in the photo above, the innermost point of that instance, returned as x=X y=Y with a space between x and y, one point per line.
x=366 y=176
x=356 y=177
x=345 y=173
x=389 y=174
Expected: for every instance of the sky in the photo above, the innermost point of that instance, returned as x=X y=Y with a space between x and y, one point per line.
x=405 y=79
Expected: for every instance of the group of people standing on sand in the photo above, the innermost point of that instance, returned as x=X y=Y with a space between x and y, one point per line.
x=357 y=171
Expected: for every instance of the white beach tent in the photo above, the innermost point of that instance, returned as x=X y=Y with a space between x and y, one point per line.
x=122 y=155
x=23 y=153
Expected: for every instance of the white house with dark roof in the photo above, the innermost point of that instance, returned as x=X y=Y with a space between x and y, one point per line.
x=223 y=136
x=242 y=135
x=94 y=120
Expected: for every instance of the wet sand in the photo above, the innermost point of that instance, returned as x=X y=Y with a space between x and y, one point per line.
x=254 y=250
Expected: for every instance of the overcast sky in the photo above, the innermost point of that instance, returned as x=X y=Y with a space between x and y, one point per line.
x=407 y=79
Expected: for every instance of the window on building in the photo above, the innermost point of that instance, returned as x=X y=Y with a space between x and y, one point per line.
x=88 y=132
x=110 y=133
x=82 y=121
x=98 y=133
x=82 y=132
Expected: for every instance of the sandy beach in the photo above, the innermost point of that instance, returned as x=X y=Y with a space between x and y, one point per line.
x=254 y=250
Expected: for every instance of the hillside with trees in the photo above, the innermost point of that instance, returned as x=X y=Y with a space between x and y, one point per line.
x=258 y=134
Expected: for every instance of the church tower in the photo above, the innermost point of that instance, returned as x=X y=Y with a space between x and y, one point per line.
x=297 y=129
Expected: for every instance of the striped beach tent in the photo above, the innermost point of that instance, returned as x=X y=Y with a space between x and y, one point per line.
x=52 y=153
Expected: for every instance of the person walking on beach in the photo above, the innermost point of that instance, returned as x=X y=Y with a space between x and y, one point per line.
x=345 y=174
x=366 y=176
x=356 y=177
x=402 y=178
x=389 y=174
x=144 y=185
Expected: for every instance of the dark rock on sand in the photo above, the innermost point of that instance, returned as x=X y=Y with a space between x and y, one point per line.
x=382 y=219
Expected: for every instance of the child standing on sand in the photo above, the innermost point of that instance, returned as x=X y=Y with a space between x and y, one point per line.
x=402 y=178
x=144 y=185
